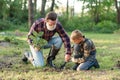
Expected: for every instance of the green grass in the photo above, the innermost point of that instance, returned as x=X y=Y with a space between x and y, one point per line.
x=108 y=48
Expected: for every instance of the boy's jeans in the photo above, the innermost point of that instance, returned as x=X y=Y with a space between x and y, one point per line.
x=38 y=59
x=90 y=61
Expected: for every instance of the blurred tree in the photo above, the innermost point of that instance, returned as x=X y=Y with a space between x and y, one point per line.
x=24 y=4
x=52 y=5
x=24 y=12
x=67 y=9
x=83 y=7
x=42 y=12
x=96 y=8
x=3 y=10
x=35 y=6
x=117 y=6
x=30 y=13
x=15 y=10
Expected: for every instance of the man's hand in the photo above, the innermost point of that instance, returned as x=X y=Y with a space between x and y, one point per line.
x=29 y=41
x=37 y=48
x=67 y=57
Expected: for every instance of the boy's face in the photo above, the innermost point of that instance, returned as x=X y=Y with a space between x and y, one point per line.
x=77 y=41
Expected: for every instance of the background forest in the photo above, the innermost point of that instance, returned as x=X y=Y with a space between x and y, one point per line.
x=96 y=15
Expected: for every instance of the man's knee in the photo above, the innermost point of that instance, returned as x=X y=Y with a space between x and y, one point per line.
x=58 y=43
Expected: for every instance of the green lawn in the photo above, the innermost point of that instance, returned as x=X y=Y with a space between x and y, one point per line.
x=12 y=68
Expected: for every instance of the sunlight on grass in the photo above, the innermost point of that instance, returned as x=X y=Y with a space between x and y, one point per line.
x=71 y=75
x=107 y=45
x=22 y=38
x=105 y=41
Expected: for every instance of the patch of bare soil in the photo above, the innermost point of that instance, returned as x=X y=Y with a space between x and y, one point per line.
x=48 y=69
x=5 y=65
x=18 y=33
x=4 y=44
x=3 y=62
x=7 y=61
x=117 y=65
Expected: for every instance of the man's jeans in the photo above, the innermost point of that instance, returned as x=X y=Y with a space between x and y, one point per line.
x=38 y=59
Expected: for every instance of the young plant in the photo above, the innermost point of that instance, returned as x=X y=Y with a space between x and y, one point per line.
x=37 y=40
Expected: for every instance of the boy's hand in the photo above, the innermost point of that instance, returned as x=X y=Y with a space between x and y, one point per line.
x=77 y=60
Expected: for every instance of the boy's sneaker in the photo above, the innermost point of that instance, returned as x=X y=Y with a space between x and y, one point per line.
x=96 y=65
x=75 y=66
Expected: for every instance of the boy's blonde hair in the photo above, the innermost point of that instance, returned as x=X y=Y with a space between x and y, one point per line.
x=75 y=35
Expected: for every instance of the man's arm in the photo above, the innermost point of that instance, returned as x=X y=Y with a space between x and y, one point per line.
x=29 y=40
x=66 y=41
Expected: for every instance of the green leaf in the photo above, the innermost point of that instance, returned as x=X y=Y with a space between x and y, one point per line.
x=37 y=39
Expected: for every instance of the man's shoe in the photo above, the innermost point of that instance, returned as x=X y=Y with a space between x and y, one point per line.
x=50 y=62
x=25 y=57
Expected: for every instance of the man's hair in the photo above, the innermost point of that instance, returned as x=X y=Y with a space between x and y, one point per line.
x=51 y=15
x=76 y=34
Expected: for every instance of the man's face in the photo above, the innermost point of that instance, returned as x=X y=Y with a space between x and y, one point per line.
x=51 y=25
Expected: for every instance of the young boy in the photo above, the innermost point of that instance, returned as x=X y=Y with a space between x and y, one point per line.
x=85 y=52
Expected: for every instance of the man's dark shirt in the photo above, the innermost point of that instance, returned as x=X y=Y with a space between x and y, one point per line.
x=40 y=26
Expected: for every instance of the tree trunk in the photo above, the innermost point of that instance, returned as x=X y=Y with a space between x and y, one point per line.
x=52 y=5
x=67 y=9
x=118 y=11
x=42 y=12
x=83 y=7
x=24 y=4
x=118 y=16
x=72 y=11
x=35 y=6
x=96 y=17
x=30 y=13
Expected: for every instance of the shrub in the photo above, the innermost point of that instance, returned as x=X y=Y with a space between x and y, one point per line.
x=83 y=23
x=117 y=31
x=106 y=26
x=4 y=25
x=7 y=25
x=108 y=16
